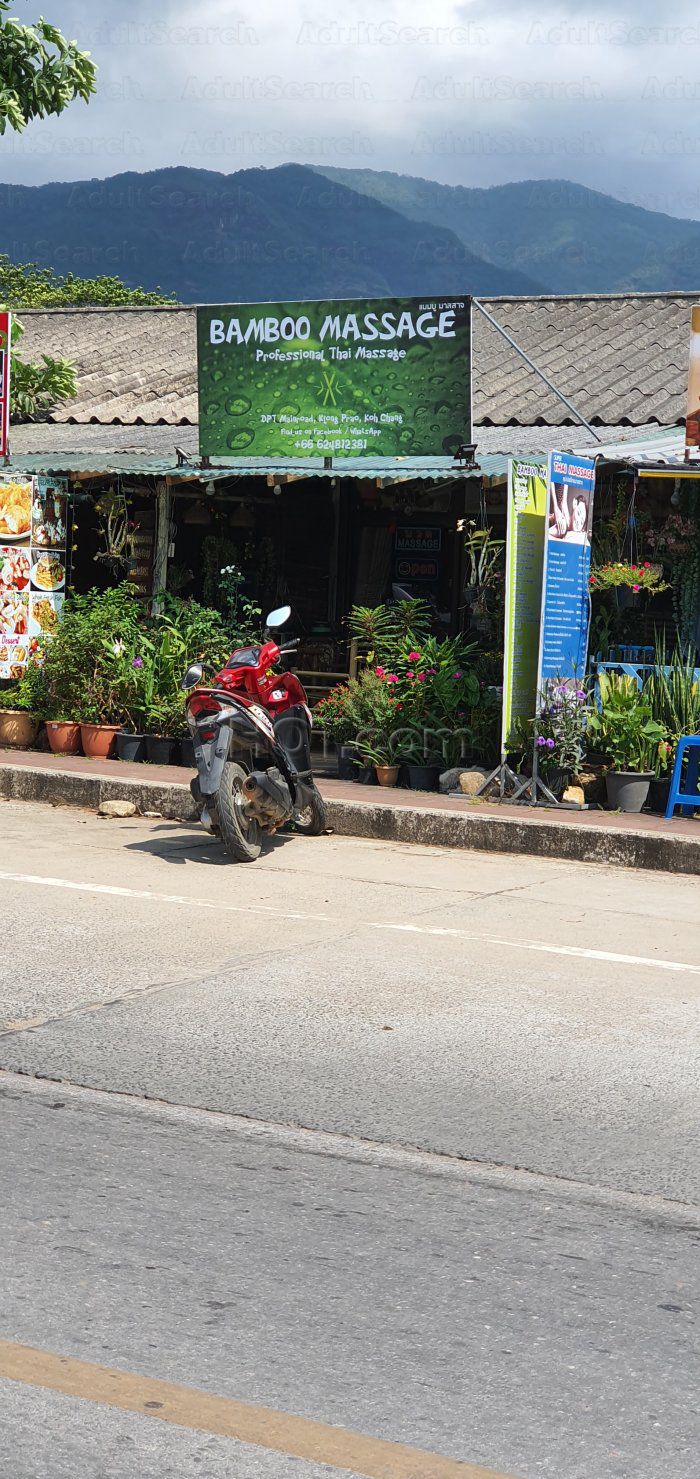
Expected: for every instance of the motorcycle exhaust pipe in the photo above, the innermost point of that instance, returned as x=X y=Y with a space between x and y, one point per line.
x=267 y=809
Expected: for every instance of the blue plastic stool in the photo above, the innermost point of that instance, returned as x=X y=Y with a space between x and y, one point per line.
x=685 y=796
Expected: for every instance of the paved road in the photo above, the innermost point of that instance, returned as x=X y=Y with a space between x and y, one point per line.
x=532 y=1314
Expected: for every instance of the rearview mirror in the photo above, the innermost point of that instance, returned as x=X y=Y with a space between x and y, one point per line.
x=279 y=617
x=192 y=677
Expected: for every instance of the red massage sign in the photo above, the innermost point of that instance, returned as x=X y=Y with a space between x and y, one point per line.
x=5 y=340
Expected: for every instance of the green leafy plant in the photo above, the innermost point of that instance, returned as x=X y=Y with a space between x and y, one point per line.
x=379 y=751
x=241 y=614
x=332 y=714
x=87 y=669
x=371 y=628
x=25 y=285
x=624 y=727
x=41 y=72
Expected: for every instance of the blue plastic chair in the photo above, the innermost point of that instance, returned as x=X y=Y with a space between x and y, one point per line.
x=686 y=795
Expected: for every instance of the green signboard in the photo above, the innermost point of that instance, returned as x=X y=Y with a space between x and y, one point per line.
x=372 y=378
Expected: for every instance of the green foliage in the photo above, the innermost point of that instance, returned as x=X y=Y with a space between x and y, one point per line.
x=674 y=695
x=87 y=669
x=625 y=727
x=381 y=631
x=371 y=705
x=558 y=731
x=332 y=715
x=241 y=614
x=25 y=285
x=35 y=388
x=41 y=72
x=205 y=635
x=380 y=750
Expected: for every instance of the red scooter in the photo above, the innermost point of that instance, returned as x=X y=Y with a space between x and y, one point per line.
x=252 y=743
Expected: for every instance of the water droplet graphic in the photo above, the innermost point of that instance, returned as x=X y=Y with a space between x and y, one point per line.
x=239 y=438
x=239 y=405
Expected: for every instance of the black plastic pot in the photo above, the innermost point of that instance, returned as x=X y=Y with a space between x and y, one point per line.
x=658 y=794
x=161 y=751
x=423 y=777
x=131 y=746
x=366 y=775
x=347 y=763
x=187 y=752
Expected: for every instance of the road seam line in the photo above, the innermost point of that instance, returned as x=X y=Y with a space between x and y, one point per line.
x=334 y=1145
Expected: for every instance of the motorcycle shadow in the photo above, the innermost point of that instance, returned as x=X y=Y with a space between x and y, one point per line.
x=179 y=843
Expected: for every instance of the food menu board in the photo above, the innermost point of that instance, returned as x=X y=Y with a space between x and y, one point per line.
x=33 y=565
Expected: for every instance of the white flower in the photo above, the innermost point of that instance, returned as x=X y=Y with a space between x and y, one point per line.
x=118 y=648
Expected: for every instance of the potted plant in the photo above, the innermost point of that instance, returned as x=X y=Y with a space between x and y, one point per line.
x=333 y=715
x=422 y=763
x=164 y=724
x=626 y=729
x=379 y=752
x=673 y=693
x=63 y=735
x=18 y=722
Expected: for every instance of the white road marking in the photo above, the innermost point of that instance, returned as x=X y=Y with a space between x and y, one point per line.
x=542 y=946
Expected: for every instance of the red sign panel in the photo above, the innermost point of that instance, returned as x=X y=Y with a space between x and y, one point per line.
x=5 y=356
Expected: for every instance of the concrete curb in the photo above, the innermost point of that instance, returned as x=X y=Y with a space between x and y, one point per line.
x=427 y=827
x=67 y=788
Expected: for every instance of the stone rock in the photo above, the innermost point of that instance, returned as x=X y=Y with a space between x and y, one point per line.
x=592 y=784
x=153 y=813
x=449 y=780
x=470 y=781
x=575 y=793
x=116 y=809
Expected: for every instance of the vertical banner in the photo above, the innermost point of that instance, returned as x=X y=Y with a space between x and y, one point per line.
x=565 y=596
x=5 y=360
x=33 y=566
x=692 y=418
x=527 y=511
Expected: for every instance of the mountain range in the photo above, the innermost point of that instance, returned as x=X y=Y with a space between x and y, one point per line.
x=301 y=232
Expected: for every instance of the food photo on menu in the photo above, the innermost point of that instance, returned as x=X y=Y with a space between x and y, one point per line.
x=44 y=614
x=14 y=568
x=49 y=530
x=15 y=512
x=14 y=628
x=48 y=571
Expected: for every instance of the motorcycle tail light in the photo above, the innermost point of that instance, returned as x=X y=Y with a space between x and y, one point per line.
x=203 y=706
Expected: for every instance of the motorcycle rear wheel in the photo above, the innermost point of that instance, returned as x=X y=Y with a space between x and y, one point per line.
x=241 y=835
x=310 y=819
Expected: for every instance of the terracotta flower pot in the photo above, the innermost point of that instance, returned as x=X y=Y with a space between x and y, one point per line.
x=387 y=775
x=17 y=728
x=99 y=739
x=64 y=736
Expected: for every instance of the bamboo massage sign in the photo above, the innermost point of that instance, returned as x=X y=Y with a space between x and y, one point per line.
x=33 y=565
x=378 y=378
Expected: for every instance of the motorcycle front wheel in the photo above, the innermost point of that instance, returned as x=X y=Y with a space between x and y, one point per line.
x=241 y=835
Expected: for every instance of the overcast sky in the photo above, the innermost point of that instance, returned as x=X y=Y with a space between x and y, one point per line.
x=473 y=93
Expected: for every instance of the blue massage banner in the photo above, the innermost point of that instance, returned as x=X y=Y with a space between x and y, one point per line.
x=567 y=564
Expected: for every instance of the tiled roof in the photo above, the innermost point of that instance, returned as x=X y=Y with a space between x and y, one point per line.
x=621 y=359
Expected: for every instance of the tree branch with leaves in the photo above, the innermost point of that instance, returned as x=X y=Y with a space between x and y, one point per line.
x=40 y=72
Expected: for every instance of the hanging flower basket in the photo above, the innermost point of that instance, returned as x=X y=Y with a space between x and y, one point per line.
x=623 y=577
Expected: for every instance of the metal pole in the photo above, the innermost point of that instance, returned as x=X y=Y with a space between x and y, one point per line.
x=560 y=395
